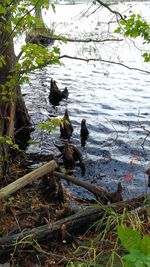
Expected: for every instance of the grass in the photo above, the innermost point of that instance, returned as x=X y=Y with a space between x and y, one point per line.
x=103 y=247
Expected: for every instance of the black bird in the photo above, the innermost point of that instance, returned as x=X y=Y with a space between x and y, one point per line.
x=56 y=95
x=84 y=133
x=66 y=128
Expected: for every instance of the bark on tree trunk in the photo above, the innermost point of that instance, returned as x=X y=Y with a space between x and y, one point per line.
x=38 y=14
x=14 y=117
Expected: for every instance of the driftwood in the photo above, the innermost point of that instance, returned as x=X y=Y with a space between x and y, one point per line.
x=76 y=223
x=100 y=193
x=6 y=191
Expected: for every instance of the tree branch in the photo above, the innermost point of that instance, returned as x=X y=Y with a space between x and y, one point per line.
x=111 y=10
x=105 y=61
x=89 y=40
x=76 y=41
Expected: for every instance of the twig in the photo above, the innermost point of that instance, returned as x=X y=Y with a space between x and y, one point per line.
x=111 y=10
x=105 y=61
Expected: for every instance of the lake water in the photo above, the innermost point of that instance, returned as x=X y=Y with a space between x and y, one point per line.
x=114 y=100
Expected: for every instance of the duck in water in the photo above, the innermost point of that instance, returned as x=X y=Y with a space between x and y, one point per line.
x=56 y=95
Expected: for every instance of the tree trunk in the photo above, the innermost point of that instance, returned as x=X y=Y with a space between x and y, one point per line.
x=40 y=34
x=38 y=14
x=14 y=118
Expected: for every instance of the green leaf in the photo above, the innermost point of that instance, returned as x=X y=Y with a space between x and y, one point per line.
x=145 y=245
x=64 y=39
x=118 y=30
x=2 y=61
x=146 y=57
x=137 y=258
x=49 y=126
x=56 y=49
x=129 y=238
x=3 y=10
x=128 y=264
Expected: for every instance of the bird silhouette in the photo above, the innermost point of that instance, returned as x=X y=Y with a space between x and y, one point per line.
x=56 y=95
x=66 y=128
x=84 y=133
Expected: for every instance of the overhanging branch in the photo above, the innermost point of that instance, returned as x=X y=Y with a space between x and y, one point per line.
x=111 y=10
x=88 y=40
x=105 y=61
x=74 y=40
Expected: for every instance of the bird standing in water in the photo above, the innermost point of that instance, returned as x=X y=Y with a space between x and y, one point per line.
x=66 y=128
x=84 y=133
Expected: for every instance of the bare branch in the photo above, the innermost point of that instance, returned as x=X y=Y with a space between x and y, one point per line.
x=76 y=41
x=111 y=10
x=105 y=61
x=89 y=40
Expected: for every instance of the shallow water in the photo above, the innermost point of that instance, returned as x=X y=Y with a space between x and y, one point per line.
x=114 y=101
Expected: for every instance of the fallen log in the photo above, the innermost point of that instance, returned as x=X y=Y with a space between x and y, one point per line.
x=6 y=191
x=100 y=193
x=76 y=223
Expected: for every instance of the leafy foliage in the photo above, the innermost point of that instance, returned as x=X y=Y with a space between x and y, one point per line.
x=50 y=125
x=138 y=247
x=36 y=57
x=18 y=18
x=8 y=140
x=135 y=27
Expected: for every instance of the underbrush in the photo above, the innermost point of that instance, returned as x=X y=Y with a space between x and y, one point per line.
x=119 y=240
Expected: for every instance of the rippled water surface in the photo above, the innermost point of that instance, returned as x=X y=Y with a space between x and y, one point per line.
x=114 y=100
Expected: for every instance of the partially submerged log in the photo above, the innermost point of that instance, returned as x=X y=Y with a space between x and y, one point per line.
x=100 y=193
x=42 y=36
x=6 y=191
x=76 y=223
